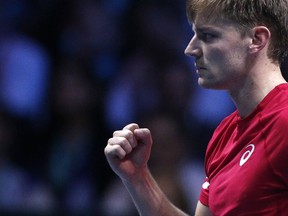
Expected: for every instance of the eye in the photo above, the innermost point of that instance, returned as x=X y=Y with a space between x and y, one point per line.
x=207 y=37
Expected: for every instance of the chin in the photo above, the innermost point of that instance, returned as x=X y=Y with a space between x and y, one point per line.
x=210 y=85
x=204 y=83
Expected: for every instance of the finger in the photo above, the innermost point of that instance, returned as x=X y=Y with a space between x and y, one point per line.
x=131 y=127
x=122 y=142
x=128 y=133
x=114 y=151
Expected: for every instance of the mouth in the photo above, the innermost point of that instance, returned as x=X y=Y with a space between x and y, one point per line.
x=199 y=67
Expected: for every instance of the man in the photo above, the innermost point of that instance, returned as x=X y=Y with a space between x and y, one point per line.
x=238 y=46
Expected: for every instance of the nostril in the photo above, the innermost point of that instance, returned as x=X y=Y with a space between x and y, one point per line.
x=194 y=52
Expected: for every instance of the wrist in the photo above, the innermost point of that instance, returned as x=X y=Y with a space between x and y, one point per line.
x=141 y=175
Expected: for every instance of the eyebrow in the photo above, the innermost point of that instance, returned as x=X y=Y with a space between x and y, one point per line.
x=204 y=28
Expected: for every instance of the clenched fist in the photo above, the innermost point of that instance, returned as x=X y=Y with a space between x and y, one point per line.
x=128 y=151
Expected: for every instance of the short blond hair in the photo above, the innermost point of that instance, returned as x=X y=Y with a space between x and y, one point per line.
x=250 y=13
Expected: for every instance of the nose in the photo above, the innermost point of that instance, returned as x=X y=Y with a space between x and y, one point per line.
x=193 y=48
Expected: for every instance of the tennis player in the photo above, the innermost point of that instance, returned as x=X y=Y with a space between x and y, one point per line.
x=238 y=46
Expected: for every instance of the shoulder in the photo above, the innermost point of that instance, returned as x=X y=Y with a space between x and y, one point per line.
x=274 y=123
x=277 y=119
x=281 y=94
x=276 y=142
x=274 y=109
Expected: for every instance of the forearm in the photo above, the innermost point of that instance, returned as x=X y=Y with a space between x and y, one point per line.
x=149 y=198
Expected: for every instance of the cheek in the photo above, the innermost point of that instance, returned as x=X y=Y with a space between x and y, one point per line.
x=237 y=61
x=225 y=68
x=231 y=60
x=216 y=56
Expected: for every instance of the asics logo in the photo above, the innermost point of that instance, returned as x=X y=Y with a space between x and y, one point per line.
x=247 y=154
x=206 y=184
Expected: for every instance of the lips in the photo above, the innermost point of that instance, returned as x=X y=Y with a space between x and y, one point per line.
x=200 y=70
x=199 y=67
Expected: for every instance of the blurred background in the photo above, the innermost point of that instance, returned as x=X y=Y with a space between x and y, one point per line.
x=72 y=72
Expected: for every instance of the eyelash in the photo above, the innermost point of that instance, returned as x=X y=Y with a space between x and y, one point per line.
x=206 y=37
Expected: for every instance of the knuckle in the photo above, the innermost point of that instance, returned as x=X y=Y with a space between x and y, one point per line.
x=115 y=133
x=121 y=140
x=129 y=134
x=115 y=150
x=116 y=140
x=123 y=133
x=110 y=140
x=107 y=150
x=127 y=131
x=119 y=152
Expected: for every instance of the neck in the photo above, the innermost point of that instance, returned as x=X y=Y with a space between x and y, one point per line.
x=251 y=91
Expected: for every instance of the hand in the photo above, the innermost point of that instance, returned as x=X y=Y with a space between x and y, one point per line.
x=128 y=151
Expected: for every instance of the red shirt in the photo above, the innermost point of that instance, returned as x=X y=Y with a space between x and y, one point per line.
x=247 y=161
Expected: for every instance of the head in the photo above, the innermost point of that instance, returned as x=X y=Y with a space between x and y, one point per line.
x=249 y=14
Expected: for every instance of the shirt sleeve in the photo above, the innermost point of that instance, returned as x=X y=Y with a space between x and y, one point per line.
x=277 y=147
x=204 y=194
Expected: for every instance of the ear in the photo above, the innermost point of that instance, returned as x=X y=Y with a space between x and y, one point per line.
x=260 y=38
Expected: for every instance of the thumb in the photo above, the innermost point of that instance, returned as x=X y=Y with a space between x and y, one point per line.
x=143 y=135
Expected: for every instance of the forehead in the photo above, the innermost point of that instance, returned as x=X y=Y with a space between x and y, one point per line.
x=212 y=22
